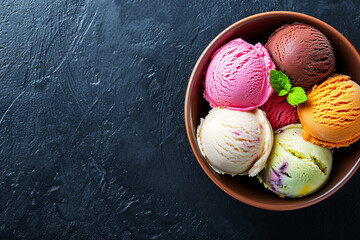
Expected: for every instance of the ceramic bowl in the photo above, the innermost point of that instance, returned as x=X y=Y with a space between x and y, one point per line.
x=253 y=29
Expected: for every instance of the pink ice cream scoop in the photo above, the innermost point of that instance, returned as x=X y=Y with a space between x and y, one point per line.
x=279 y=112
x=238 y=76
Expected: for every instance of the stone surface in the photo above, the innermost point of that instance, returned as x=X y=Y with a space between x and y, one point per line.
x=92 y=136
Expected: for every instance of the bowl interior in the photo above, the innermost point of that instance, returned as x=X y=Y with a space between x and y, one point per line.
x=255 y=29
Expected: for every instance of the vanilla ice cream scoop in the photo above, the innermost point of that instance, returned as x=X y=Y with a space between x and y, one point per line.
x=235 y=142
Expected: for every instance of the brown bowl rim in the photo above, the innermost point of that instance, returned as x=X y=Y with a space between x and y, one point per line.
x=191 y=137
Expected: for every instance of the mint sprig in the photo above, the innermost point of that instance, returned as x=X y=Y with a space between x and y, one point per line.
x=281 y=84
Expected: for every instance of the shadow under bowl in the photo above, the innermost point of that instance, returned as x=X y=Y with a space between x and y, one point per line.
x=253 y=29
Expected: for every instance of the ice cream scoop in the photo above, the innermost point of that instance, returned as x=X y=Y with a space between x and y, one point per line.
x=295 y=168
x=279 y=112
x=235 y=142
x=303 y=53
x=331 y=115
x=238 y=76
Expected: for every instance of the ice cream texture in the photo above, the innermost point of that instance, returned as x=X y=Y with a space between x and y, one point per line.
x=331 y=115
x=238 y=76
x=279 y=112
x=303 y=53
x=295 y=168
x=235 y=142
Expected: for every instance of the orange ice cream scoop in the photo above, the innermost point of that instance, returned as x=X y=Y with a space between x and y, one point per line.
x=331 y=115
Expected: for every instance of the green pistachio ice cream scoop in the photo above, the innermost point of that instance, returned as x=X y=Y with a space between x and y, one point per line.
x=295 y=168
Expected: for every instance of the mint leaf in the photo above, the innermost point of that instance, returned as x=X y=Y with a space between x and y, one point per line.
x=281 y=84
x=296 y=96
x=283 y=92
x=287 y=87
x=279 y=81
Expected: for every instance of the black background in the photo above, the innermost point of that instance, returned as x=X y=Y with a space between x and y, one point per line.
x=92 y=135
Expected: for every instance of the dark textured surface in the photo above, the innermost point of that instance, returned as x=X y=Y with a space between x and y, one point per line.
x=92 y=137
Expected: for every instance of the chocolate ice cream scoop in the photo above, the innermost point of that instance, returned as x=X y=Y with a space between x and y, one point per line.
x=303 y=53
